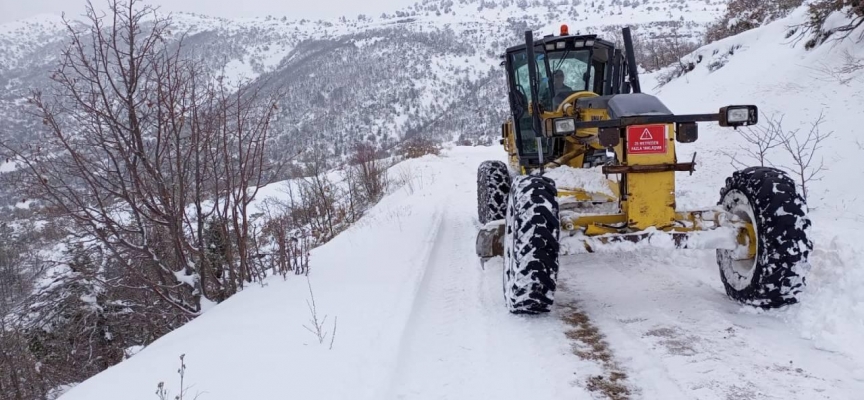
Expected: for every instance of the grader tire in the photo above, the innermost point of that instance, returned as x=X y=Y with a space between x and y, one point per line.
x=493 y=186
x=766 y=197
x=531 y=245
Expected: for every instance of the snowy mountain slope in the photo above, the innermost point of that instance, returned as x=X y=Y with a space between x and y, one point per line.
x=250 y=47
x=430 y=69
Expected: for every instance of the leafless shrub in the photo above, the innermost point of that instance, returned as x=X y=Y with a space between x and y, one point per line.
x=371 y=172
x=418 y=146
x=405 y=178
x=317 y=328
x=670 y=50
x=843 y=74
x=164 y=394
x=676 y=70
x=656 y=52
x=803 y=150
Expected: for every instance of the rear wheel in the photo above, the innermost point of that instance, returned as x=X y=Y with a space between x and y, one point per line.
x=766 y=198
x=531 y=245
x=493 y=186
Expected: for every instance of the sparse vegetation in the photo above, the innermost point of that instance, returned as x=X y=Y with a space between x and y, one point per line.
x=419 y=146
x=743 y=15
x=164 y=394
x=802 y=148
x=814 y=30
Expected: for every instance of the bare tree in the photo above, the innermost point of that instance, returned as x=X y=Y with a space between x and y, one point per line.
x=818 y=12
x=760 y=139
x=143 y=145
x=803 y=151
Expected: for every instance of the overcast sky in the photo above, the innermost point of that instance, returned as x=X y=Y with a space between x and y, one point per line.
x=11 y=10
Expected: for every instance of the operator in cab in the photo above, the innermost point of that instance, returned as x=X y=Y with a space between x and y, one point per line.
x=559 y=88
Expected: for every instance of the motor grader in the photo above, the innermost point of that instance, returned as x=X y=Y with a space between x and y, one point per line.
x=561 y=136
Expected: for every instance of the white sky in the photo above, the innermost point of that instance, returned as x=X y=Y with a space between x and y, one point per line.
x=11 y=10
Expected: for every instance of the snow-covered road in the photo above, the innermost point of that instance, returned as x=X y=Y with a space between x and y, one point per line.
x=419 y=318
x=666 y=322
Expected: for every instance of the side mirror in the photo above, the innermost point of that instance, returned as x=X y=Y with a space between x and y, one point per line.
x=736 y=116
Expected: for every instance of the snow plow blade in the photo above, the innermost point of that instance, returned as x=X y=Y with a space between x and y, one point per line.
x=490 y=241
x=726 y=238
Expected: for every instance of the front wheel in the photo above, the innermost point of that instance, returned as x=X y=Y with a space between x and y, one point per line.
x=766 y=198
x=493 y=186
x=531 y=245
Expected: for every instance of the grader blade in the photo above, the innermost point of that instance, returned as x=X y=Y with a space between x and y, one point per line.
x=726 y=238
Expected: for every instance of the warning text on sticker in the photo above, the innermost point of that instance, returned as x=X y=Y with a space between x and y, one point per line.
x=646 y=139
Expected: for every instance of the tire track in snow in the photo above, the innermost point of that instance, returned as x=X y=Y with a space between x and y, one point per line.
x=589 y=344
x=460 y=342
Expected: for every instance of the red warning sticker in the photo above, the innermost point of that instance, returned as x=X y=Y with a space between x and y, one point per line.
x=646 y=139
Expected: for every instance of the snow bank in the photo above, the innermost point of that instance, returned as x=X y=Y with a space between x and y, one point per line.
x=831 y=313
x=363 y=281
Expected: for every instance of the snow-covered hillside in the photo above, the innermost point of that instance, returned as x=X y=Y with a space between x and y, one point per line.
x=415 y=315
x=410 y=311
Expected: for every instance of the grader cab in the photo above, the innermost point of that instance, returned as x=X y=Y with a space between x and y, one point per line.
x=592 y=163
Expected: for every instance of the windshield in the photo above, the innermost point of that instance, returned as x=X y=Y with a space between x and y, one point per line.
x=568 y=69
x=569 y=66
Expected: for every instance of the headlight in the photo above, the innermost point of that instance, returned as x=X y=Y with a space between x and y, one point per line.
x=738 y=116
x=566 y=125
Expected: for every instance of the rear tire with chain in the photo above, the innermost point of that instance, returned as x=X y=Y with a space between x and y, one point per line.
x=767 y=198
x=493 y=187
x=531 y=245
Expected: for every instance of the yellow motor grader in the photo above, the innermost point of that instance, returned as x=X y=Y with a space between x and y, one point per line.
x=578 y=113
